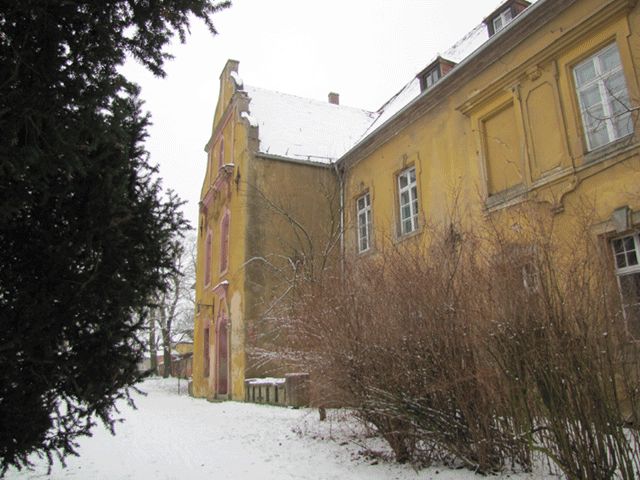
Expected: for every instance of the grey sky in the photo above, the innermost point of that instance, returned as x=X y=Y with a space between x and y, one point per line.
x=366 y=50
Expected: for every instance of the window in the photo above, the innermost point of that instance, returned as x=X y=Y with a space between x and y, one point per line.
x=408 y=196
x=207 y=259
x=603 y=97
x=434 y=72
x=224 y=242
x=431 y=77
x=502 y=20
x=626 y=251
x=363 y=210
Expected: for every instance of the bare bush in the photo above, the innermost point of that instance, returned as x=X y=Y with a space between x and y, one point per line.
x=479 y=349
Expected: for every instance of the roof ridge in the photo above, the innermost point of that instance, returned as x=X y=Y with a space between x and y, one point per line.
x=309 y=99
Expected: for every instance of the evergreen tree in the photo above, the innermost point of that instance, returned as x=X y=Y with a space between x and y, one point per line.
x=86 y=235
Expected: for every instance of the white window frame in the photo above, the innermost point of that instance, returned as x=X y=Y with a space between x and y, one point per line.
x=408 y=198
x=432 y=77
x=364 y=226
x=607 y=99
x=623 y=271
x=502 y=20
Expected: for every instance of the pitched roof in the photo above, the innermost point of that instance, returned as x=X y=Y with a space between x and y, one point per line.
x=321 y=132
x=458 y=52
x=304 y=129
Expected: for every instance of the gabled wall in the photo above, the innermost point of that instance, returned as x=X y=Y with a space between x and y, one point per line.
x=272 y=204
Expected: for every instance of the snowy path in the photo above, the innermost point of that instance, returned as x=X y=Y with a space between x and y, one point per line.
x=173 y=436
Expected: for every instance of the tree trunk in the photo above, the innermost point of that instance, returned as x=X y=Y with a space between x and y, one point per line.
x=166 y=343
x=153 y=365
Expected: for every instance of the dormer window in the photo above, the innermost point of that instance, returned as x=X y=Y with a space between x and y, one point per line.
x=504 y=15
x=432 y=77
x=434 y=73
x=502 y=20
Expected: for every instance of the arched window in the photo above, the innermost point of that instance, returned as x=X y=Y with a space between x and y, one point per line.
x=207 y=259
x=224 y=242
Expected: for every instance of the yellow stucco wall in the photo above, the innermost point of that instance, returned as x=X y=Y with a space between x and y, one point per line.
x=252 y=189
x=292 y=231
x=222 y=192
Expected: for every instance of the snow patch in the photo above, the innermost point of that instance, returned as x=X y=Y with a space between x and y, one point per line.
x=467 y=44
x=305 y=129
x=266 y=381
x=238 y=81
x=252 y=121
x=172 y=435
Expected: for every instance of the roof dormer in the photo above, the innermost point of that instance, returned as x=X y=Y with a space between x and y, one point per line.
x=434 y=72
x=504 y=15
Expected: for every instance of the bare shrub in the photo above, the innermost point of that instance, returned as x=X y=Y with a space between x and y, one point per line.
x=555 y=330
x=479 y=349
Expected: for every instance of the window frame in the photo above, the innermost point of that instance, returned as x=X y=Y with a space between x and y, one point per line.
x=225 y=227
x=429 y=76
x=414 y=205
x=606 y=98
x=208 y=257
x=367 y=227
x=502 y=16
x=627 y=271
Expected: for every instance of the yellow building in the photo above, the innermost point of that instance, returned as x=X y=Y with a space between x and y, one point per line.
x=536 y=106
x=268 y=198
x=543 y=112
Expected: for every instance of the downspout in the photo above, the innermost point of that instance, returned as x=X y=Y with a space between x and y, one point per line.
x=341 y=184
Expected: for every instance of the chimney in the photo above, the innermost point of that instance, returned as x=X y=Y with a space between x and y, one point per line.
x=334 y=98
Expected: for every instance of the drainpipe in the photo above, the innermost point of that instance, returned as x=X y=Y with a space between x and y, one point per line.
x=341 y=183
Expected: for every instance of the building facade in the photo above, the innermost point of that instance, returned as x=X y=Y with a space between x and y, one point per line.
x=538 y=105
x=269 y=198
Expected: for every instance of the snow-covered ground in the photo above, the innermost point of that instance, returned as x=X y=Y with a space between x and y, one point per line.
x=172 y=436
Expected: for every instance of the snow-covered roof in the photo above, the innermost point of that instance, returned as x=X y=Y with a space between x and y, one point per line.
x=461 y=50
x=396 y=103
x=314 y=131
x=304 y=129
x=467 y=44
x=458 y=52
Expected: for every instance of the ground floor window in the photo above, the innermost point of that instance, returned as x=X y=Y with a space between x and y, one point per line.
x=626 y=252
x=408 y=196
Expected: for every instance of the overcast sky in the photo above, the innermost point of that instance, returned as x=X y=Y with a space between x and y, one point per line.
x=366 y=50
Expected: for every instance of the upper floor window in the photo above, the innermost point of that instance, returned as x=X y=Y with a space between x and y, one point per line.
x=408 y=197
x=504 y=15
x=207 y=259
x=224 y=242
x=363 y=210
x=626 y=252
x=434 y=72
x=502 y=20
x=431 y=77
x=603 y=96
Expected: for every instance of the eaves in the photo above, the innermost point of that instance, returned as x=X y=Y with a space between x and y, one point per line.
x=280 y=158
